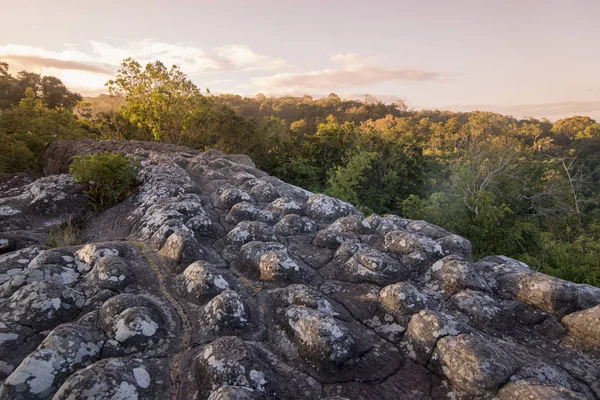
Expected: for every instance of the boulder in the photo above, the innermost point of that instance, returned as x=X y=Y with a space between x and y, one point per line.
x=585 y=326
x=473 y=363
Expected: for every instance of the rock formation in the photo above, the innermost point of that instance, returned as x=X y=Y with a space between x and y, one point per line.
x=216 y=281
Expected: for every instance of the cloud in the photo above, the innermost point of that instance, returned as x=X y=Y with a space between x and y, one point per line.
x=552 y=111
x=85 y=67
x=354 y=71
x=106 y=57
x=190 y=59
x=33 y=62
x=242 y=57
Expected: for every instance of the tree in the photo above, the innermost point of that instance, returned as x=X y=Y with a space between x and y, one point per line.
x=156 y=98
x=55 y=94
x=49 y=89
x=30 y=80
x=345 y=182
x=577 y=127
x=400 y=105
x=4 y=69
x=10 y=90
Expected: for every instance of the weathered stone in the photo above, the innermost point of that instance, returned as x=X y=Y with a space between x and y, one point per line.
x=241 y=177
x=293 y=192
x=230 y=197
x=587 y=296
x=376 y=261
x=452 y=274
x=323 y=208
x=427 y=229
x=495 y=270
x=241 y=159
x=12 y=264
x=90 y=253
x=332 y=239
x=230 y=361
x=319 y=338
x=53 y=256
x=403 y=242
x=294 y=224
x=202 y=225
x=200 y=282
x=403 y=298
x=42 y=305
x=479 y=306
x=135 y=326
x=248 y=231
x=181 y=246
x=118 y=378
x=348 y=249
x=245 y=211
x=236 y=393
x=533 y=390
x=473 y=363
x=351 y=224
x=423 y=332
x=545 y=292
x=270 y=262
x=284 y=206
x=264 y=192
x=113 y=273
x=383 y=225
x=226 y=313
x=49 y=272
x=454 y=244
x=52 y=199
x=68 y=348
x=585 y=325
x=324 y=304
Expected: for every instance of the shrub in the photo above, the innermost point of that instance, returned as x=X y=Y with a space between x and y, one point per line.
x=110 y=178
x=15 y=156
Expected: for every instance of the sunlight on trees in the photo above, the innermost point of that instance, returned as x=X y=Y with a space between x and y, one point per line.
x=528 y=188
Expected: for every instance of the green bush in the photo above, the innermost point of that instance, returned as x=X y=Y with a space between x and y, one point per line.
x=15 y=156
x=110 y=178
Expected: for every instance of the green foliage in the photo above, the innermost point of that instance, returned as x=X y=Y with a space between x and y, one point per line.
x=528 y=188
x=577 y=127
x=16 y=156
x=212 y=125
x=345 y=182
x=577 y=261
x=157 y=99
x=50 y=90
x=29 y=127
x=109 y=178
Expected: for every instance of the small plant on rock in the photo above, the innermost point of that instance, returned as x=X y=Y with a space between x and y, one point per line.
x=109 y=177
x=65 y=234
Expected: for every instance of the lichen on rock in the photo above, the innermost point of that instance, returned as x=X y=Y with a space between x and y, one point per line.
x=216 y=281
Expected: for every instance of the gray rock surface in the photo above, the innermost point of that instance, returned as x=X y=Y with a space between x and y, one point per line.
x=217 y=281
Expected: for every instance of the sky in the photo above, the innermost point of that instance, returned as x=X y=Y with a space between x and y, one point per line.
x=526 y=58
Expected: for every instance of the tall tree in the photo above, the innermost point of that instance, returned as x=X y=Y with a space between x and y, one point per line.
x=157 y=98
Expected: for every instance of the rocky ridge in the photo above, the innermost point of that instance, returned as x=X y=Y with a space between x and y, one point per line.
x=217 y=281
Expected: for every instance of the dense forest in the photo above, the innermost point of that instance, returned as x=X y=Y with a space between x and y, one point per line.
x=526 y=188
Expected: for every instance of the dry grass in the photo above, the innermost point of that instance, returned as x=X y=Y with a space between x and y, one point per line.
x=66 y=234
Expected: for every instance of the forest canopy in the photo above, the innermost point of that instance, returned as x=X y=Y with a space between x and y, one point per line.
x=525 y=188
